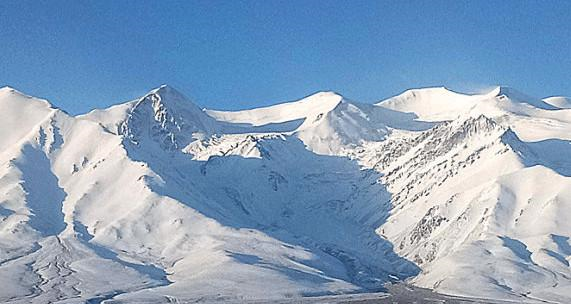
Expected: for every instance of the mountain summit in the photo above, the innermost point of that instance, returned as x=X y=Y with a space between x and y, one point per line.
x=166 y=117
x=506 y=93
x=159 y=201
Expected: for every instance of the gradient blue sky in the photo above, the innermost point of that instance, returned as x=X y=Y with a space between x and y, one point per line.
x=243 y=54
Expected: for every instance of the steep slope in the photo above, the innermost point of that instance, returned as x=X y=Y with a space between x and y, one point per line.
x=156 y=200
x=22 y=113
x=326 y=122
x=42 y=257
x=162 y=115
x=520 y=246
x=246 y=184
x=474 y=203
x=531 y=118
x=192 y=217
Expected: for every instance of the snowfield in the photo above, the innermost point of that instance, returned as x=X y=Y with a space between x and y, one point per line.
x=159 y=201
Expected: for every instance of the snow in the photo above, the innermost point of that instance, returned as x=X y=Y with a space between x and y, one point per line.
x=307 y=108
x=157 y=200
x=506 y=93
x=431 y=104
x=559 y=102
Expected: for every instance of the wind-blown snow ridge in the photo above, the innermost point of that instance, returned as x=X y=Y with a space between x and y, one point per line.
x=308 y=107
x=157 y=200
x=559 y=102
x=503 y=93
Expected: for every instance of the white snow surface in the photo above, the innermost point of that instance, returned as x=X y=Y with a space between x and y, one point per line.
x=559 y=102
x=157 y=200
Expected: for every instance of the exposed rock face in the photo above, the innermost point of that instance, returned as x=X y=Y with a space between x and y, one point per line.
x=158 y=200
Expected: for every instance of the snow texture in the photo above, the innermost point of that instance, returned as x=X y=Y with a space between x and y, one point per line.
x=157 y=200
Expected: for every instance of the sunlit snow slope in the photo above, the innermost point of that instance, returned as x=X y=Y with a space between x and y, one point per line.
x=156 y=200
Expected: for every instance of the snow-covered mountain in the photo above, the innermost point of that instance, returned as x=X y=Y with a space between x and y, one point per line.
x=559 y=102
x=157 y=200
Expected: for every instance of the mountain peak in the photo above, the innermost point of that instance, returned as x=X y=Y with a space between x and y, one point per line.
x=326 y=94
x=503 y=93
x=481 y=123
x=322 y=98
x=506 y=91
x=18 y=96
x=166 y=99
x=311 y=106
x=164 y=89
x=168 y=94
x=10 y=90
x=430 y=104
x=6 y=89
x=318 y=196
x=166 y=116
x=417 y=92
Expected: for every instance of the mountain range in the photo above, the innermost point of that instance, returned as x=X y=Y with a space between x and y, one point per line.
x=157 y=200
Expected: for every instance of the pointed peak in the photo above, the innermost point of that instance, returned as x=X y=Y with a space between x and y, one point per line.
x=481 y=122
x=166 y=91
x=505 y=93
x=164 y=88
x=510 y=138
x=6 y=89
x=11 y=90
x=166 y=96
x=320 y=102
x=468 y=126
x=324 y=96
x=169 y=118
x=12 y=93
x=509 y=134
x=482 y=118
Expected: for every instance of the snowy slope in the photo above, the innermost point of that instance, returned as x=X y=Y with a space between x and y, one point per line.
x=559 y=102
x=326 y=122
x=475 y=205
x=431 y=104
x=158 y=200
x=309 y=107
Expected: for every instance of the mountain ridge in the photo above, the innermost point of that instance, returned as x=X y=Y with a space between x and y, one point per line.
x=159 y=200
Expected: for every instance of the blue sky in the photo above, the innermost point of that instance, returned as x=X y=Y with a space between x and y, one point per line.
x=243 y=54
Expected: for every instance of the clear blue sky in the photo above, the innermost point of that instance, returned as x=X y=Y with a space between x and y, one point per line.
x=242 y=54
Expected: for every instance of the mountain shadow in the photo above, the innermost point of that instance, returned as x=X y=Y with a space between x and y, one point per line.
x=44 y=197
x=326 y=204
